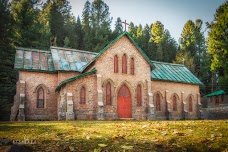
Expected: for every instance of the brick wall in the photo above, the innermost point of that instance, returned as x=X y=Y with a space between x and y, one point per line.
x=66 y=75
x=49 y=83
x=88 y=110
x=167 y=90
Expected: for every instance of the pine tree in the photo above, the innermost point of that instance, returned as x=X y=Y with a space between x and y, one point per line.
x=157 y=32
x=187 y=39
x=118 y=28
x=79 y=34
x=139 y=35
x=56 y=24
x=25 y=18
x=7 y=52
x=192 y=42
x=45 y=32
x=169 y=46
x=188 y=46
x=87 y=39
x=146 y=36
x=100 y=23
x=132 y=30
x=151 y=49
x=217 y=44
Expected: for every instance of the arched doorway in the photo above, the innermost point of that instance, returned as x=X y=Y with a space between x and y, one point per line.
x=124 y=102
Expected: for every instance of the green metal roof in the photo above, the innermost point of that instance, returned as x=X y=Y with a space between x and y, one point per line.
x=173 y=72
x=33 y=60
x=66 y=59
x=112 y=42
x=216 y=93
x=74 y=78
x=62 y=59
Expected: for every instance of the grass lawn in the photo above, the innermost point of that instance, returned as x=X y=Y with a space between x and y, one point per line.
x=197 y=135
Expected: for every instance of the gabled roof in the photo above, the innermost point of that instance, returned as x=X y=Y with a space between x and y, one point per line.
x=173 y=72
x=74 y=78
x=112 y=42
x=33 y=60
x=66 y=59
x=216 y=93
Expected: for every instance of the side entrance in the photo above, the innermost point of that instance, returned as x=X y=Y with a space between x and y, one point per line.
x=124 y=108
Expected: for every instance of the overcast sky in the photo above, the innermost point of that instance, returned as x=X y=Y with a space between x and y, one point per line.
x=172 y=13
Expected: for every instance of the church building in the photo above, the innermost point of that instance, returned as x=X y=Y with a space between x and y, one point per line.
x=119 y=82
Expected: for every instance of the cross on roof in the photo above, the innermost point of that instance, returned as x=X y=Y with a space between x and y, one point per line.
x=125 y=24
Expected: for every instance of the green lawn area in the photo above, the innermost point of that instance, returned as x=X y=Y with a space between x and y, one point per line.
x=197 y=135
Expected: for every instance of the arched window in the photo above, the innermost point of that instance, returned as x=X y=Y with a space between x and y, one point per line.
x=40 y=98
x=174 y=103
x=116 y=64
x=108 y=94
x=190 y=104
x=158 y=102
x=132 y=66
x=83 y=95
x=124 y=64
x=139 y=95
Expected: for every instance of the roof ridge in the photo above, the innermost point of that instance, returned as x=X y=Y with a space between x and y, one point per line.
x=167 y=63
x=71 y=49
x=31 y=49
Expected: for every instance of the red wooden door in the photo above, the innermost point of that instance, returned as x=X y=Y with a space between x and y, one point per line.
x=124 y=102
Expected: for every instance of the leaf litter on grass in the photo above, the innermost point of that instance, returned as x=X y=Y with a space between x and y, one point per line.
x=141 y=135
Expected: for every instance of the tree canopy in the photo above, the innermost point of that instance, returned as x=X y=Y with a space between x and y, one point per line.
x=218 y=43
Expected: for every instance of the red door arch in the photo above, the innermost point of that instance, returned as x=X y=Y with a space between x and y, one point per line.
x=124 y=102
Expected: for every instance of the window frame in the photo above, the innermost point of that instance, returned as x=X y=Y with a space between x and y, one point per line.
x=174 y=103
x=132 y=66
x=124 y=64
x=190 y=104
x=116 y=64
x=158 y=102
x=40 y=102
x=139 y=95
x=83 y=92
x=108 y=88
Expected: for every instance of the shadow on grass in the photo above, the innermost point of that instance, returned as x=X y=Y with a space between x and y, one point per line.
x=24 y=126
x=119 y=145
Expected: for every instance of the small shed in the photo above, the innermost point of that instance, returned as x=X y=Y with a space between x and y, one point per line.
x=217 y=99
